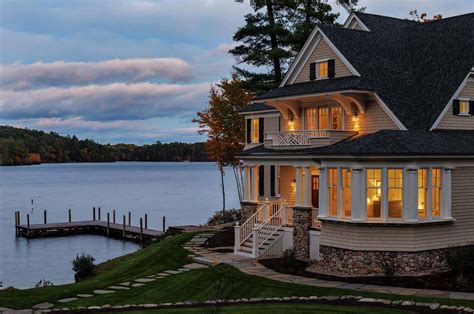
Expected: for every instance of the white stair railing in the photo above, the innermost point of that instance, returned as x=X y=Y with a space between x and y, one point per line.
x=275 y=249
x=244 y=231
x=263 y=232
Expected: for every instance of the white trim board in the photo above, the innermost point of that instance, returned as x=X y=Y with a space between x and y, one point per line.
x=353 y=16
x=305 y=53
x=450 y=102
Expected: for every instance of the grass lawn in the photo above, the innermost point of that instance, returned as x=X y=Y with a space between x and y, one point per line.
x=280 y=308
x=220 y=282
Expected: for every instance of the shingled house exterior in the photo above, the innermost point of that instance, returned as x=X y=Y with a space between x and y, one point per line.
x=364 y=155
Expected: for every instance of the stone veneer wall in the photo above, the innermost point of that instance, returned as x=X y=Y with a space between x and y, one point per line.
x=247 y=210
x=345 y=262
x=301 y=226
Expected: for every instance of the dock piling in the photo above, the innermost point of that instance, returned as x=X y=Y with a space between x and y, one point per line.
x=99 y=213
x=69 y=215
x=93 y=213
x=28 y=224
x=113 y=215
x=45 y=219
x=123 y=230
x=108 y=224
x=16 y=224
x=164 y=223
x=141 y=230
x=129 y=218
x=146 y=221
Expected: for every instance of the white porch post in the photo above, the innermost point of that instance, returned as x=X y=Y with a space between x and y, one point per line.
x=237 y=237
x=357 y=194
x=410 y=211
x=307 y=187
x=323 y=189
x=277 y=180
x=299 y=189
x=246 y=183
x=254 y=184
x=446 y=210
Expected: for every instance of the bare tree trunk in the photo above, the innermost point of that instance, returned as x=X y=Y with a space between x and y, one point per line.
x=221 y=169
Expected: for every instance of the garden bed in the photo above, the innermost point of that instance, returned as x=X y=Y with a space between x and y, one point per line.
x=441 y=281
x=222 y=238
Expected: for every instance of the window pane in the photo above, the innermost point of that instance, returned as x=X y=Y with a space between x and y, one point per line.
x=395 y=193
x=255 y=130
x=374 y=193
x=463 y=107
x=322 y=69
x=336 y=118
x=311 y=119
x=422 y=187
x=332 y=191
x=346 y=192
x=436 y=192
x=323 y=118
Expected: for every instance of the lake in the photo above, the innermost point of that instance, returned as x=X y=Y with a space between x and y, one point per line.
x=186 y=193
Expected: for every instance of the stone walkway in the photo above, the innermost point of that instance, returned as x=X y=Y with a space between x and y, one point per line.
x=252 y=267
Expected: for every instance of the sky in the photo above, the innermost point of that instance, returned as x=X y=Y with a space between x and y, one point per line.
x=133 y=71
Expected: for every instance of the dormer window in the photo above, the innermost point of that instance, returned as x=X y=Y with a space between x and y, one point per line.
x=463 y=107
x=321 y=69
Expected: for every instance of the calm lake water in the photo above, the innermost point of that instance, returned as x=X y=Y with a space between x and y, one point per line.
x=186 y=193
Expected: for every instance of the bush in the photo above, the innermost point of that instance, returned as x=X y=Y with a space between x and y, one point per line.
x=83 y=266
x=388 y=268
x=230 y=215
x=461 y=262
x=43 y=283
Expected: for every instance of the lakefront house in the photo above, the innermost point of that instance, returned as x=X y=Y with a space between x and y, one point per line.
x=363 y=157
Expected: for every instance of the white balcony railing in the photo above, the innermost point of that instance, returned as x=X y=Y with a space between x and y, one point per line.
x=293 y=138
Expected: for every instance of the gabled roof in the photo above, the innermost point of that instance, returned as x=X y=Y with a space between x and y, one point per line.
x=415 y=68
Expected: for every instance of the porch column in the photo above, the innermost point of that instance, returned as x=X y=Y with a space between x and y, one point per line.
x=410 y=212
x=323 y=192
x=246 y=184
x=307 y=187
x=446 y=209
x=357 y=194
x=299 y=189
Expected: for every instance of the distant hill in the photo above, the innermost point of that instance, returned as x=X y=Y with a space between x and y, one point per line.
x=26 y=147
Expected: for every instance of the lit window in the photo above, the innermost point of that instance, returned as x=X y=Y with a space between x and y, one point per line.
x=346 y=192
x=323 y=69
x=395 y=192
x=311 y=119
x=332 y=191
x=374 y=193
x=323 y=119
x=422 y=192
x=255 y=130
x=435 y=192
x=464 y=107
x=336 y=118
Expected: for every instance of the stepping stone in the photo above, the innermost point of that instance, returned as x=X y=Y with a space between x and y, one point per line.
x=125 y=283
x=85 y=295
x=151 y=276
x=172 y=272
x=195 y=266
x=163 y=274
x=137 y=284
x=144 y=280
x=43 y=306
x=183 y=269
x=103 y=291
x=65 y=300
x=119 y=288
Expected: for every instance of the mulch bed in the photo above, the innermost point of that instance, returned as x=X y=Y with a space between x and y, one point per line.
x=222 y=238
x=442 y=281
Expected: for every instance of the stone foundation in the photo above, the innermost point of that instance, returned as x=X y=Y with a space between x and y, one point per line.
x=301 y=226
x=342 y=262
x=247 y=210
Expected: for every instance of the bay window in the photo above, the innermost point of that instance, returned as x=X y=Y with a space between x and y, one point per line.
x=422 y=192
x=374 y=193
x=435 y=192
x=323 y=118
x=395 y=193
x=332 y=185
x=336 y=118
x=311 y=119
x=346 y=192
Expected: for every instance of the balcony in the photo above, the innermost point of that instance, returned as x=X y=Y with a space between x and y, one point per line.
x=296 y=139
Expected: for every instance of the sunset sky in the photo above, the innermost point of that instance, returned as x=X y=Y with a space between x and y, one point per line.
x=129 y=71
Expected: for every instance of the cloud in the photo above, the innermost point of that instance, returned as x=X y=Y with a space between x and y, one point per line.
x=223 y=48
x=60 y=73
x=117 y=101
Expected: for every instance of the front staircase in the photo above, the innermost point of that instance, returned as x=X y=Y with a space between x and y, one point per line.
x=262 y=234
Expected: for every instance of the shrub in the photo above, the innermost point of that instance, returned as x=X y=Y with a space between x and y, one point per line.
x=461 y=262
x=230 y=215
x=83 y=266
x=388 y=268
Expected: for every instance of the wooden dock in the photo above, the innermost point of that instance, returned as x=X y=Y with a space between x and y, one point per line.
x=140 y=234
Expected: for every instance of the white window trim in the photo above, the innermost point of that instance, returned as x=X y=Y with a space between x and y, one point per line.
x=318 y=62
x=464 y=114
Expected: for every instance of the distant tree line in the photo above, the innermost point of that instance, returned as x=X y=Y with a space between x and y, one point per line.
x=26 y=147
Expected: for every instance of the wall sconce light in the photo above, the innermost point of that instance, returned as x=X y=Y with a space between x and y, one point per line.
x=293 y=183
